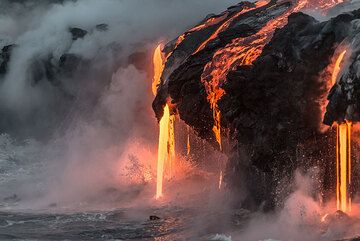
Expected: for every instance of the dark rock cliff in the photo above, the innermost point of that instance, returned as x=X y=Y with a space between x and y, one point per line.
x=271 y=108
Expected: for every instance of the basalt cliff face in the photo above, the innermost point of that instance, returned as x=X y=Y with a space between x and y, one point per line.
x=264 y=70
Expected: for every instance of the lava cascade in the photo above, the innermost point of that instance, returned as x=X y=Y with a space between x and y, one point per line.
x=343 y=167
x=166 y=144
x=343 y=152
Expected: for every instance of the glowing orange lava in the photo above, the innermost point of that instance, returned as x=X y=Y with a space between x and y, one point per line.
x=166 y=145
x=162 y=151
x=223 y=26
x=240 y=51
x=337 y=67
x=322 y=5
x=343 y=167
x=209 y=22
x=243 y=51
x=158 y=68
x=226 y=24
x=343 y=152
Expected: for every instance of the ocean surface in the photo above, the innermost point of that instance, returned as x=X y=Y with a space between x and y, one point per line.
x=120 y=224
x=23 y=182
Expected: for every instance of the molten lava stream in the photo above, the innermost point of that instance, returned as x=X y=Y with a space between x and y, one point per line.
x=166 y=145
x=343 y=166
x=162 y=150
x=343 y=151
x=337 y=67
x=158 y=68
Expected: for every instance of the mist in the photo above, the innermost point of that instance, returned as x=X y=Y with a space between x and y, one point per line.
x=77 y=131
x=67 y=135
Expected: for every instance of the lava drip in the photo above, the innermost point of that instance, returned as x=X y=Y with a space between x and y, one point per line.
x=166 y=145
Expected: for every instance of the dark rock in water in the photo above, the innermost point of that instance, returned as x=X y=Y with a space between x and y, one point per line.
x=77 y=33
x=102 y=27
x=153 y=218
x=5 y=55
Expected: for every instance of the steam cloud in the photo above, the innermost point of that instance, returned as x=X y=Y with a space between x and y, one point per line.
x=108 y=117
x=77 y=127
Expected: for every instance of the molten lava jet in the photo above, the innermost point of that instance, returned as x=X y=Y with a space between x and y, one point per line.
x=166 y=145
x=164 y=153
x=343 y=152
x=343 y=167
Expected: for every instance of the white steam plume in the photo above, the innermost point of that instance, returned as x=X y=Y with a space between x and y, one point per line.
x=82 y=157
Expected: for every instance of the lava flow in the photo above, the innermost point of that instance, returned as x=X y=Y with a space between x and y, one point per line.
x=343 y=152
x=241 y=51
x=343 y=167
x=166 y=145
x=158 y=68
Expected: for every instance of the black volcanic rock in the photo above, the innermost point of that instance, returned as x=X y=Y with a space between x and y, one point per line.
x=183 y=69
x=271 y=108
x=344 y=97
